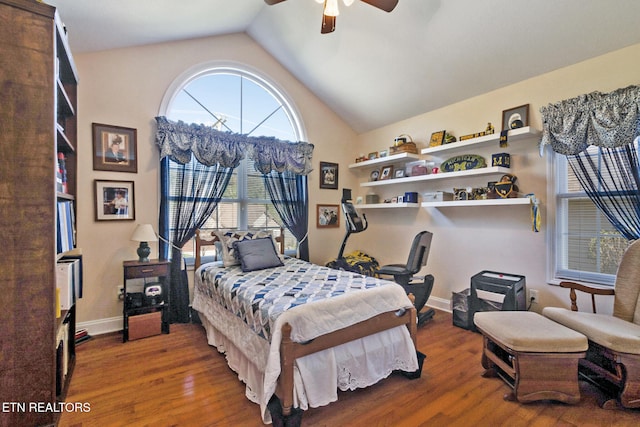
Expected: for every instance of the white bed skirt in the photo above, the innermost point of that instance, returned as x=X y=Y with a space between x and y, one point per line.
x=318 y=376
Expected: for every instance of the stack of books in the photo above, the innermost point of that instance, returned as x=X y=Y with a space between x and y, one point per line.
x=82 y=335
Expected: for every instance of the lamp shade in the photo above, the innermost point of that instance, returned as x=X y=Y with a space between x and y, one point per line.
x=144 y=233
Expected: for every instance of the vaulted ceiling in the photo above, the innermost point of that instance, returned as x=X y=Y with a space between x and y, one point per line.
x=378 y=68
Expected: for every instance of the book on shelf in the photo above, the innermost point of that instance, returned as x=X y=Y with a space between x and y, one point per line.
x=65 y=226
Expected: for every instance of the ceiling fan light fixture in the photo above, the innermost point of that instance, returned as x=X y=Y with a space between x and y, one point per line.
x=331 y=8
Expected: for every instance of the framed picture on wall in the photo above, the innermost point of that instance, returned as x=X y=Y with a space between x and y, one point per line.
x=114 y=148
x=329 y=175
x=114 y=200
x=328 y=216
x=515 y=118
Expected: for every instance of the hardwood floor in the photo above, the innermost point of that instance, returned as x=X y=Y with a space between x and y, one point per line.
x=178 y=380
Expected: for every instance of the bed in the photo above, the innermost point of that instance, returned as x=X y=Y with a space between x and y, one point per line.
x=297 y=330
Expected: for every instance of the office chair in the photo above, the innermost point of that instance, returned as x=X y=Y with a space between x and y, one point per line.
x=404 y=274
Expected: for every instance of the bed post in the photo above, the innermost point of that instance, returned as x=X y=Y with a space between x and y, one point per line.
x=287 y=358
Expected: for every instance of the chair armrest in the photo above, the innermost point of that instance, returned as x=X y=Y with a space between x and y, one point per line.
x=585 y=288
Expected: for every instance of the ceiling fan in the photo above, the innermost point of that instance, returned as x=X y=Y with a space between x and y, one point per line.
x=331 y=11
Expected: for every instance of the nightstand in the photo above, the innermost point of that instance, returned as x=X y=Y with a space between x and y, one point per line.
x=146 y=313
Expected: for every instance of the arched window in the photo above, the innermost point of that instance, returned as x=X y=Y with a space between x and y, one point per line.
x=236 y=99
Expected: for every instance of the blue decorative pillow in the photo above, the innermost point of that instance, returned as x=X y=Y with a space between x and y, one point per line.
x=257 y=254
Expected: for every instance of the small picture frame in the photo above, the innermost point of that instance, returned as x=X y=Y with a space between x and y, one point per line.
x=437 y=138
x=329 y=175
x=114 y=148
x=373 y=155
x=399 y=173
x=386 y=173
x=515 y=118
x=114 y=200
x=383 y=153
x=327 y=216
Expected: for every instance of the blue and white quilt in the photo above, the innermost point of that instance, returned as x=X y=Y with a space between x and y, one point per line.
x=260 y=297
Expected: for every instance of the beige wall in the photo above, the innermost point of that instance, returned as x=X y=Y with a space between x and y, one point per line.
x=468 y=240
x=125 y=87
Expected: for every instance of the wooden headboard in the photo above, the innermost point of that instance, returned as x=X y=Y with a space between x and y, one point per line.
x=206 y=238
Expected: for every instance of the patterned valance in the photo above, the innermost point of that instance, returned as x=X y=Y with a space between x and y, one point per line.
x=179 y=140
x=600 y=119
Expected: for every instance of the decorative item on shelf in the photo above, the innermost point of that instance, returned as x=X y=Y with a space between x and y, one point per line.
x=144 y=234
x=375 y=174
x=383 y=153
x=410 y=197
x=501 y=159
x=448 y=138
x=491 y=190
x=506 y=188
x=515 y=118
x=419 y=167
x=359 y=200
x=438 y=196
x=372 y=199
x=399 y=173
x=437 y=138
x=373 y=155
x=386 y=173
x=490 y=130
x=403 y=144
x=480 y=193
x=463 y=193
x=400 y=199
x=361 y=158
x=463 y=162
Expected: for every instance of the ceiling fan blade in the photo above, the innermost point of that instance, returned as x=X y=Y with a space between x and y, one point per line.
x=272 y=2
x=386 y=5
x=328 y=24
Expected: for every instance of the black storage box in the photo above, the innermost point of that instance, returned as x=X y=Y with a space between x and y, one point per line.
x=462 y=316
x=493 y=291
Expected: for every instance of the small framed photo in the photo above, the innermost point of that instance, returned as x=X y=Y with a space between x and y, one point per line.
x=373 y=155
x=386 y=172
x=383 y=153
x=515 y=118
x=114 y=200
x=437 y=138
x=114 y=148
x=329 y=175
x=328 y=216
x=399 y=173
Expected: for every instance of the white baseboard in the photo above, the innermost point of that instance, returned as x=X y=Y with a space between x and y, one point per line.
x=440 y=304
x=101 y=326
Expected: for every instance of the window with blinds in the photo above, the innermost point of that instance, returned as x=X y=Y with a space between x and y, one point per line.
x=588 y=247
x=239 y=101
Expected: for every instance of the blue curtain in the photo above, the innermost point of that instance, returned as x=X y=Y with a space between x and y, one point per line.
x=599 y=133
x=195 y=193
x=289 y=195
x=205 y=159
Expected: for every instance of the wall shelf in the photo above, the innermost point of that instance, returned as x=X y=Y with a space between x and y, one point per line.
x=514 y=135
x=486 y=202
x=441 y=175
x=394 y=158
x=388 y=205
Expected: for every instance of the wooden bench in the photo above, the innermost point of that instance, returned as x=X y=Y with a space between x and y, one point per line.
x=536 y=357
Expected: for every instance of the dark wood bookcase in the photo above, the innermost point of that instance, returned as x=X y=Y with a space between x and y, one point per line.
x=37 y=121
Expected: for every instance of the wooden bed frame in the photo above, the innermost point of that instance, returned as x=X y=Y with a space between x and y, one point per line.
x=290 y=350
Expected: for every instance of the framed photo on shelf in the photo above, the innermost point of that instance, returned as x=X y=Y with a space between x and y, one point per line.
x=399 y=173
x=329 y=175
x=373 y=155
x=114 y=148
x=327 y=216
x=114 y=200
x=515 y=118
x=386 y=173
x=437 y=138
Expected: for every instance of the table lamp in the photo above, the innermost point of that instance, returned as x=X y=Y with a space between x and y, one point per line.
x=144 y=233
